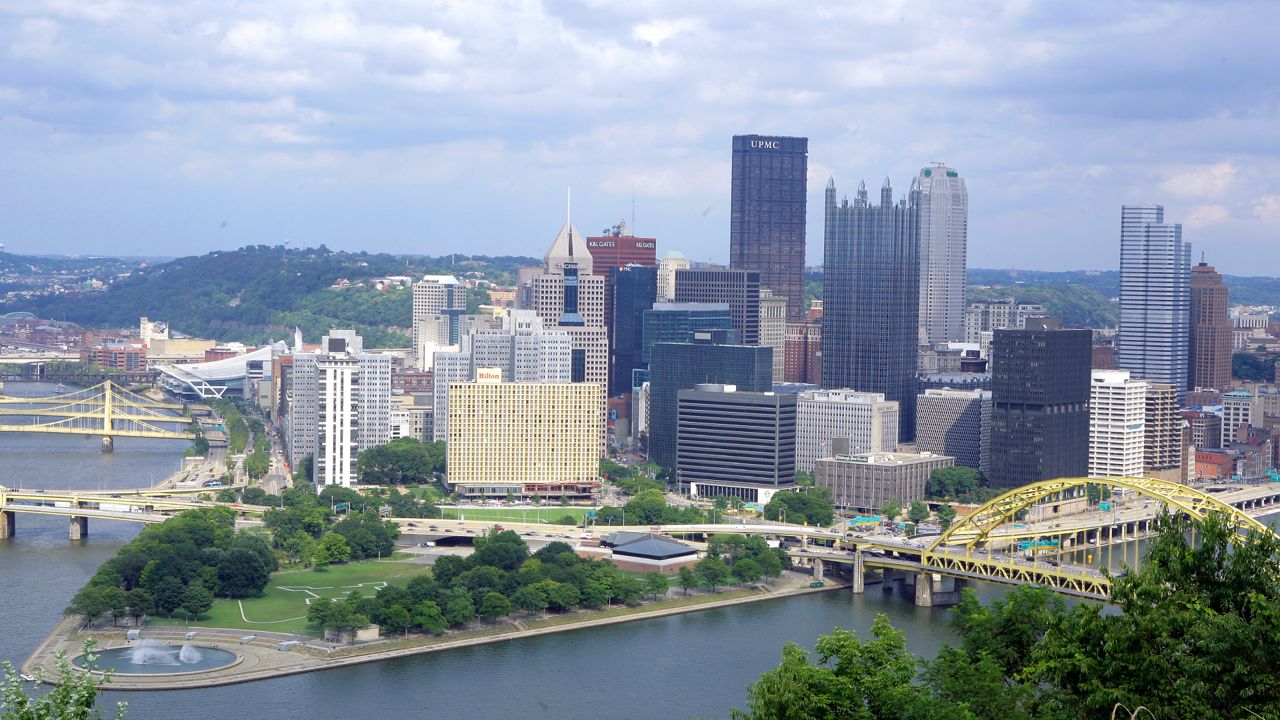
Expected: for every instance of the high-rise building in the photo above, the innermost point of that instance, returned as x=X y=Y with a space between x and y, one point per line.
x=956 y=423
x=767 y=214
x=773 y=330
x=1040 y=403
x=802 y=353
x=871 y=300
x=667 y=267
x=737 y=444
x=985 y=317
x=634 y=289
x=1165 y=453
x=523 y=438
x=1237 y=415
x=682 y=366
x=1117 y=424
x=739 y=289
x=615 y=249
x=1154 y=338
x=1211 y=330
x=944 y=234
x=438 y=301
x=341 y=404
x=843 y=421
x=679 y=322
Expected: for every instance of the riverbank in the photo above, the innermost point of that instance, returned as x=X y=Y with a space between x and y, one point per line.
x=261 y=658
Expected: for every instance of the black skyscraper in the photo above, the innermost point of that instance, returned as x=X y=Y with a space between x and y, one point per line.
x=1040 y=403
x=634 y=289
x=767 y=214
x=871 y=298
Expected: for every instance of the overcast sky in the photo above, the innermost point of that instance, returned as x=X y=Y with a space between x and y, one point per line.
x=430 y=127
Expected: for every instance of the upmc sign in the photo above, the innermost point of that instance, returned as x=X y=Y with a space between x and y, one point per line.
x=766 y=145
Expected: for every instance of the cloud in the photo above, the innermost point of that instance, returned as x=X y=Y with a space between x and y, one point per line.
x=1205 y=215
x=1267 y=208
x=1204 y=181
x=656 y=32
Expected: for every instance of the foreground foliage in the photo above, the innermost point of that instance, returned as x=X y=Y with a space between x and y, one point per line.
x=1196 y=638
x=74 y=697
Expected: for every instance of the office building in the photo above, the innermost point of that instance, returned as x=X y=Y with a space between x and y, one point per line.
x=523 y=438
x=867 y=482
x=678 y=322
x=1206 y=428
x=1040 y=403
x=768 y=199
x=634 y=289
x=985 y=317
x=341 y=404
x=956 y=423
x=682 y=366
x=667 y=267
x=802 y=353
x=846 y=421
x=438 y=300
x=1211 y=331
x=615 y=249
x=1237 y=416
x=739 y=289
x=773 y=330
x=944 y=233
x=1165 y=453
x=736 y=444
x=1117 y=424
x=870 y=295
x=1154 y=337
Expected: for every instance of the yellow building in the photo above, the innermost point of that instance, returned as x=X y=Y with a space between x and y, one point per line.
x=523 y=438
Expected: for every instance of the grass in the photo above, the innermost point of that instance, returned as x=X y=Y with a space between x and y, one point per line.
x=283 y=605
x=538 y=514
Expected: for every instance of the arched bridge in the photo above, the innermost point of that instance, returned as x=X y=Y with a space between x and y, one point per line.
x=105 y=409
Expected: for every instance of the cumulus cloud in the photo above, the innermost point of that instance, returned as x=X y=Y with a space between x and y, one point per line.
x=1267 y=208
x=1204 y=215
x=1205 y=181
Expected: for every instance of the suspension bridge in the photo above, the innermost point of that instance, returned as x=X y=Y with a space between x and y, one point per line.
x=105 y=409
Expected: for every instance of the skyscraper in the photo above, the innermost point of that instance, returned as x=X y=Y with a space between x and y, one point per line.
x=740 y=289
x=773 y=330
x=944 y=233
x=1040 y=403
x=871 y=301
x=1154 y=338
x=767 y=213
x=1117 y=424
x=634 y=289
x=1211 y=330
x=613 y=250
x=737 y=444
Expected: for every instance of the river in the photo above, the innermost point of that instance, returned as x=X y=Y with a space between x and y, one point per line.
x=692 y=665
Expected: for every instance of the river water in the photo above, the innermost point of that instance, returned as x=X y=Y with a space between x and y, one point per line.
x=693 y=665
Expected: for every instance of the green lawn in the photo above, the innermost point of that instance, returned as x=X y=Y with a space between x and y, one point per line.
x=283 y=605
x=539 y=514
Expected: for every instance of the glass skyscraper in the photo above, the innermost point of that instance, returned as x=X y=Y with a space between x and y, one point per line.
x=944 y=237
x=1154 y=340
x=634 y=289
x=871 y=298
x=767 y=214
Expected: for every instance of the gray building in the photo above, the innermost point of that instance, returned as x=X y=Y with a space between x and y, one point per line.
x=1154 y=338
x=956 y=423
x=767 y=214
x=739 y=289
x=866 y=482
x=944 y=236
x=738 y=444
x=871 y=301
x=684 y=366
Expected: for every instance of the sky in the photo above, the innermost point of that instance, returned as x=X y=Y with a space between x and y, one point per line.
x=174 y=128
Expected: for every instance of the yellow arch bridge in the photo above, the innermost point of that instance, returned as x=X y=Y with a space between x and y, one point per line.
x=105 y=409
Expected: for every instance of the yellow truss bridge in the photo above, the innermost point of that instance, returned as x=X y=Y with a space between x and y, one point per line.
x=105 y=409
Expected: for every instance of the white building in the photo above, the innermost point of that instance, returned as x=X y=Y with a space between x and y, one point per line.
x=981 y=319
x=1237 y=411
x=956 y=423
x=944 y=233
x=830 y=422
x=341 y=405
x=773 y=330
x=1117 y=424
x=667 y=267
x=1154 y=338
x=437 y=301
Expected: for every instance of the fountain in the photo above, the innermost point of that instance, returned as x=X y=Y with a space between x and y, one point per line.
x=190 y=654
x=148 y=657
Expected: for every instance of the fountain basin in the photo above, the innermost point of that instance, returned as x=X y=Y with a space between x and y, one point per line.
x=152 y=658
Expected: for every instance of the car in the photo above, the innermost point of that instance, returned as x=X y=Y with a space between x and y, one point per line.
x=431 y=527
x=448 y=530
x=412 y=524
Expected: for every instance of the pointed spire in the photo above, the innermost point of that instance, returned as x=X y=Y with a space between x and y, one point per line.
x=568 y=215
x=887 y=185
x=862 y=186
x=831 y=182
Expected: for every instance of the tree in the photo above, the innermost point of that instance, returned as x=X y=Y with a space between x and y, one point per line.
x=169 y=594
x=687 y=579
x=458 y=609
x=73 y=697
x=746 y=571
x=811 y=505
x=918 y=513
x=770 y=565
x=241 y=574
x=427 y=616
x=495 y=606
x=657 y=584
x=401 y=461
x=713 y=571
x=333 y=549
x=298 y=547
x=953 y=483
x=197 y=600
x=530 y=599
x=397 y=617
x=891 y=509
x=946 y=515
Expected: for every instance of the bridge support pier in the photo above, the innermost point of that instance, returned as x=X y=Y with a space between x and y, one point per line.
x=859 y=583
x=924 y=589
x=818 y=569
x=79 y=528
x=8 y=524
x=108 y=444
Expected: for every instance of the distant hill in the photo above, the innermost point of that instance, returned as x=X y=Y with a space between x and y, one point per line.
x=256 y=294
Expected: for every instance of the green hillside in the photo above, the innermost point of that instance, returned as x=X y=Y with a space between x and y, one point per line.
x=255 y=294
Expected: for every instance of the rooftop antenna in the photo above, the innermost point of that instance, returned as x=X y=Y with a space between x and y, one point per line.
x=633 y=211
x=568 y=215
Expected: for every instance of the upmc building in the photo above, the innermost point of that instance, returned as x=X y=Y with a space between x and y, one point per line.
x=611 y=252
